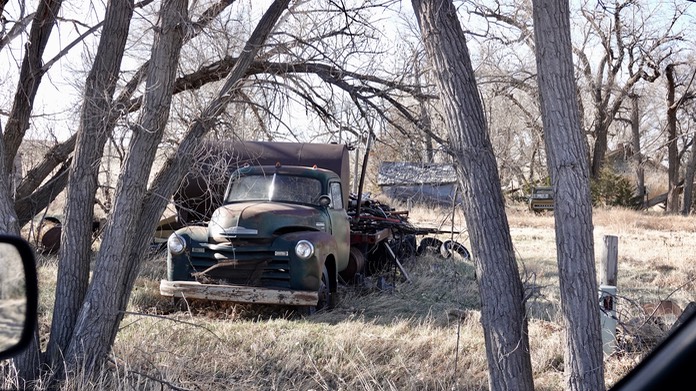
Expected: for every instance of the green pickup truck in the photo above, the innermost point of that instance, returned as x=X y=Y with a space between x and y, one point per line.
x=281 y=236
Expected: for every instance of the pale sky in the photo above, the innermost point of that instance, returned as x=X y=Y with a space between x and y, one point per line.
x=59 y=94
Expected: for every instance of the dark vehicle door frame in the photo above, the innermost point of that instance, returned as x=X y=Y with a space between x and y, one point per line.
x=670 y=366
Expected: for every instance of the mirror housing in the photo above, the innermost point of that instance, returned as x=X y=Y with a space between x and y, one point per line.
x=16 y=254
x=324 y=200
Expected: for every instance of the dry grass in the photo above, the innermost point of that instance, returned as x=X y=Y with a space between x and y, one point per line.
x=422 y=335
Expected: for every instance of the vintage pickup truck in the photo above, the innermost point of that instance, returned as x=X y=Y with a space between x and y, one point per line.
x=280 y=237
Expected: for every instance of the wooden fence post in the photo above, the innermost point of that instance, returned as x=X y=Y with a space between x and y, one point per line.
x=610 y=255
x=607 y=292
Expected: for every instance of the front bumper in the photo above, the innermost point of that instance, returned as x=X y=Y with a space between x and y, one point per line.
x=237 y=293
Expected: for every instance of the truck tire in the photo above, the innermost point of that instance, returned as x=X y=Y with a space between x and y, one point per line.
x=429 y=246
x=324 y=291
x=449 y=247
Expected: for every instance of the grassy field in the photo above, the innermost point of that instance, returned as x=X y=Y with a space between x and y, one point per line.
x=419 y=335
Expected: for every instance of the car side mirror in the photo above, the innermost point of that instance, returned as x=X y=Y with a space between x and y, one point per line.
x=324 y=200
x=18 y=295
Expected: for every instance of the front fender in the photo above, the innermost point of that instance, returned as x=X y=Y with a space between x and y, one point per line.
x=307 y=273
x=179 y=266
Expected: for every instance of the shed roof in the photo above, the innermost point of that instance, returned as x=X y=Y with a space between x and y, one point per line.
x=409 y=173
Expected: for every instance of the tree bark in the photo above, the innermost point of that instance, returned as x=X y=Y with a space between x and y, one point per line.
x=56 y=156
x=8 y=216
x=27 y=363
x=76 y=239
x=687 y=202
x=600 y=132
x=500 y=287
x=30 y=206
x=636 y=150
x=29 y=78
x=123 y=246
x=31 y=72
x=99 y=318
x=672 y=148
x=570 y=178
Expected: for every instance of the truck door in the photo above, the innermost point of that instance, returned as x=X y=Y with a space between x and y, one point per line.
x=340 y=224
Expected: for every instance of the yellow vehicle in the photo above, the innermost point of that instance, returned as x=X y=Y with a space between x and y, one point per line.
x=541 y=199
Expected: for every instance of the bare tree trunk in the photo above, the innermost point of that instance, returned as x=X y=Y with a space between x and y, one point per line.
x=637 y=153
x=29 y=206
x=600 y=144
x=100 y=315
x=31 y=73
x=672 y=149
x=27 y=363
x=28 y=203
x=500 y=287
x=424 y=121
x=8 y=217
x=56 y=156
x=689 y=181
x=123 y=246
x=29 y=78
x=570 y=177
x=76 y=240
x=426 y=125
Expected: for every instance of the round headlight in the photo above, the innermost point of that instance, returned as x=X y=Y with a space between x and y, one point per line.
x=304 y=249
x=176 y=244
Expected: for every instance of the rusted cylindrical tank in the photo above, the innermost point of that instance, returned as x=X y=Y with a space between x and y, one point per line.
x=48 y=235
x=49 y=232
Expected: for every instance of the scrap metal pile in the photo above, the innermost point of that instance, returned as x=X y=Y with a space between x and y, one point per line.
x=390 y=238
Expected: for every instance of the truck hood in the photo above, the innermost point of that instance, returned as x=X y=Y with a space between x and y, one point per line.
x=262 y=220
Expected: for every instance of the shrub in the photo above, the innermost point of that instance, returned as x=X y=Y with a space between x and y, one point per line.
x=612 y=189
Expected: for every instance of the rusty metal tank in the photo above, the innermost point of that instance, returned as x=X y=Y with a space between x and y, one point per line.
x=48 y=235
x=203 y=188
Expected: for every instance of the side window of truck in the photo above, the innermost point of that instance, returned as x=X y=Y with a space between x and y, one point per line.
x=336 y=195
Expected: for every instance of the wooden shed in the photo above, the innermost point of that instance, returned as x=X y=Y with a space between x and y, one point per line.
x=429 y=183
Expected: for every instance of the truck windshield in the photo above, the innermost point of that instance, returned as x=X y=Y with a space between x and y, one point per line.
x=281 y=188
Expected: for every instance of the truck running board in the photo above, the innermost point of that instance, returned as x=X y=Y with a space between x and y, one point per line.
x=237 y=293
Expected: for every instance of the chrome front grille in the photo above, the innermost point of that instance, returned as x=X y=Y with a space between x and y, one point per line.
x=240 y=266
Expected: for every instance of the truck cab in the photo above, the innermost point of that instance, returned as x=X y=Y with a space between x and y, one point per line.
x=281 y=236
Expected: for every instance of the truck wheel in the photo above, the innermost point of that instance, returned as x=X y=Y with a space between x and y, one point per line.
x=449 y=247
x=324 y=291
x=429 y=246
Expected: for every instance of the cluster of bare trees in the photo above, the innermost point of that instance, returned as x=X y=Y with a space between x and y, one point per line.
x=281 y=60
x=160 y=77
x=623 y=53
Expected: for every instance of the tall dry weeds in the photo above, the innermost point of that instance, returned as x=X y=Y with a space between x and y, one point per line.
x=419 y=335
